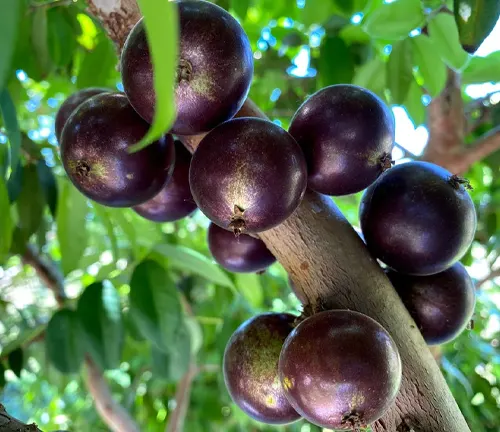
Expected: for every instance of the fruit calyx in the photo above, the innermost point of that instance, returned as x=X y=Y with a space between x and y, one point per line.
x=82 y=169
x=238 y=224
x=457 y=181
x=184 y=71
x=386 y=161
x=353 y=421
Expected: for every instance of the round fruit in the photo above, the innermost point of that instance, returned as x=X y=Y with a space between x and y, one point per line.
x=418 y=218
x=340 y=369
x=243 y=254
x=347 y=135
x=174 y=201
x=95 y=153
x=248 y=175
x=213 y=76
x=441 y=304
x=251 y=368
x=70 y=104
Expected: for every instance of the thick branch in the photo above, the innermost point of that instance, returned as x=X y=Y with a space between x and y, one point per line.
x=330 y=265
x=10 y=424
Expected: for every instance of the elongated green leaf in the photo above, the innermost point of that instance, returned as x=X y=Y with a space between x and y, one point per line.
x=372 y=76
x=30 y=202
x=102 y=213
x=2 y=376
x=9 y=24
x=48 y=185
x=64 y=341
x=98 y=65
x=11 y=125
x=71 y=226
x=6 y=225
x=482 y=69
x=240 y=7
x=336 y=64
x=39 y=39
x=118 y=217
x=395 y=20
x=4 y=160
x=413 y=104
x=429 y=63
x=16 y=361
x=174 y=363
x=61 y=36
x=444 y=34
x=100 y=315
x=154 y=304
x=188 y=259
x=316 y=12
x=399 y=71
x=250 y=288
x=161 y=20
x=15 y=183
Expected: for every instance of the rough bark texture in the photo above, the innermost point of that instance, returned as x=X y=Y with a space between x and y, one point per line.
x=331 y=266
x=10 y=424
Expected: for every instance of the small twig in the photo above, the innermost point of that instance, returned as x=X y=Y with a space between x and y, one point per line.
x=492 y=275
x=182 y=397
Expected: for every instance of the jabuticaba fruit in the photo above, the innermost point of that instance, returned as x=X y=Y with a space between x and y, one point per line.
x=95 y=153
x=418 y=218
x=174 y=201
x=242 y=254
x=475 y=20
x=214 y=73
x=340 y=369
x=441 y=305
x=248 y=175
x=71 y=103
x=347 y=135
x=250 y=368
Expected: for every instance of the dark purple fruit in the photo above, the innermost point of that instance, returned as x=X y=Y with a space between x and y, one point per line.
x=248 y=175
x=213 y=76
x=418 y=218
x=94 y=151
x=347 y=135
x=242 y=254
x=71 y=103
x=441 y=304
x=340 y=369
x=174 y=201
x=251 y=368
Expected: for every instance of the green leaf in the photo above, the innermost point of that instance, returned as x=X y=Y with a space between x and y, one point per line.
x=444 y=34
x=394 y=20
x=100 y=316
x=154 y=304
x=372 y=76
x=16 y=361
x=61 y=36
x=174 y=363
x=240 y=7
x=347 y=6
x=250 y=288
x=162 y=28
x=4 y=160
x=6 y=224
x=118 y=217
x=336 y=65
x=315 y=12
x=482 y=69
x=2 y=375
x=15 y=183
x=399 y=71
x=11 y=125
x=9 y=24
x=104 y=216
x=413 y=104
x=48 y=185
x=30 y=202
x=188 y=259
x=39 y=39
x=71 y=226
x=64 y=341
x=98 y=65
x=429 y=63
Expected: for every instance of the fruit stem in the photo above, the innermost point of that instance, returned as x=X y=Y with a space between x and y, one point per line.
x=353 y=421
x=456 y=181
x=82 y=169
x=386 y=161
x=184 y=71
x=238 y=224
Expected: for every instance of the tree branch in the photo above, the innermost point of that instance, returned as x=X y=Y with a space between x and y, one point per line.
x=10 y=424
x=492 y=275
x=182 y=397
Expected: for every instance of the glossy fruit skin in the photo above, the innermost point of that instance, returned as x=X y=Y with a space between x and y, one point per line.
x=174 y=201
x=337 y=364
x=441 y=304
x=347 y=135
x=242 y=254
x=416 y=220
x=94 y=151
x=251 y=368
x=215 y=69
x=248 y=175
x=71 y=103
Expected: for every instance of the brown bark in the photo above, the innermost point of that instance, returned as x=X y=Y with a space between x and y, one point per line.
x=10 y=424
x=332 y=268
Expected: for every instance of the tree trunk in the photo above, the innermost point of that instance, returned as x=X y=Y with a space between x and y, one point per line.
x=330 y=265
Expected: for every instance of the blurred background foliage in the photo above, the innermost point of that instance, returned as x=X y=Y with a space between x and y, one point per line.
x=299 y=46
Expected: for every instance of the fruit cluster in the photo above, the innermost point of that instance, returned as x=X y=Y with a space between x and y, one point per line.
x=338 y=369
